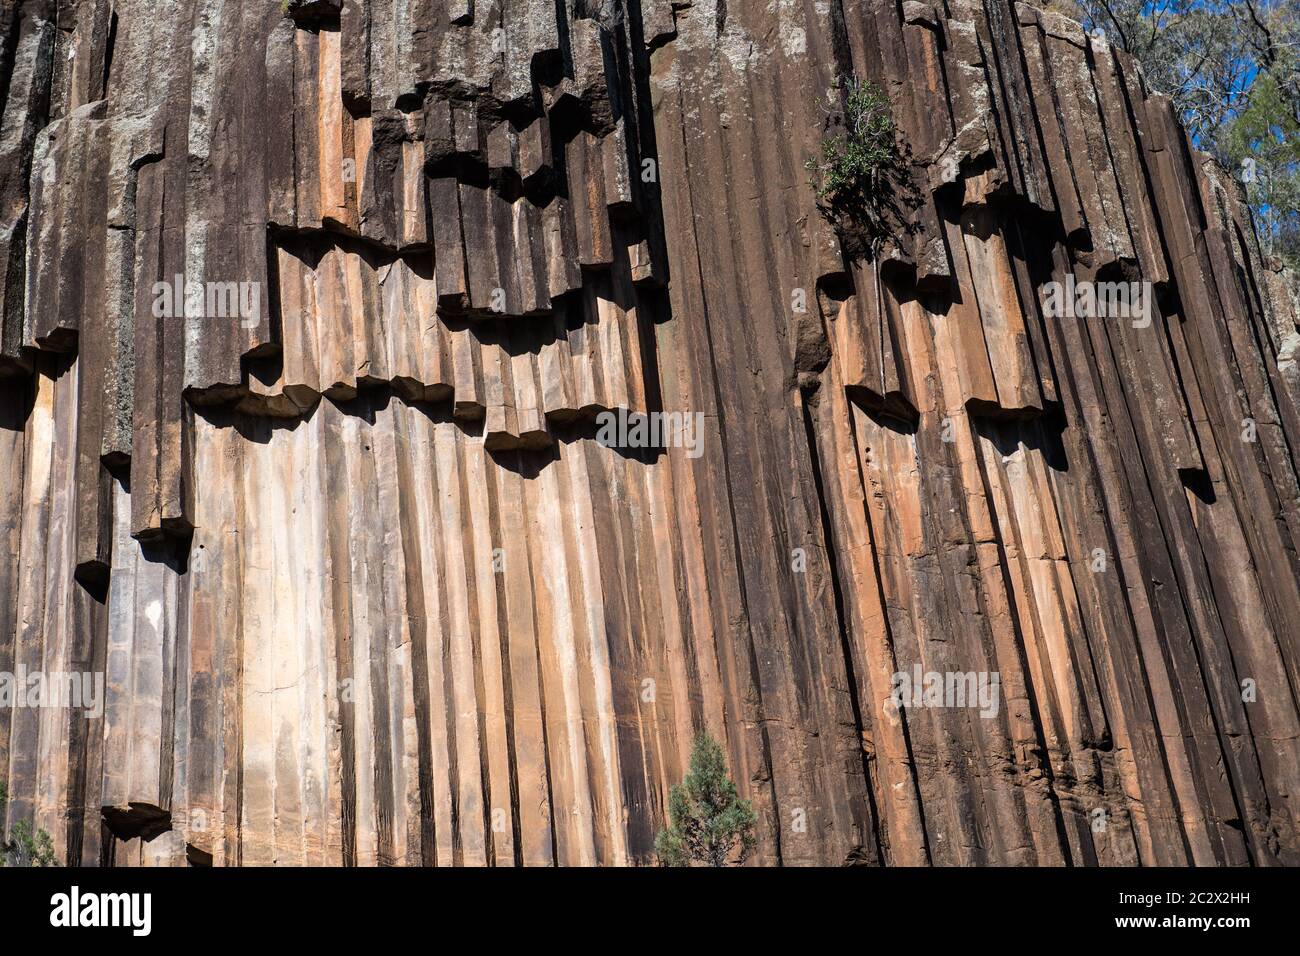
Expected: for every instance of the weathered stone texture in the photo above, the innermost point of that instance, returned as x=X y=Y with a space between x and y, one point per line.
x=366 y=589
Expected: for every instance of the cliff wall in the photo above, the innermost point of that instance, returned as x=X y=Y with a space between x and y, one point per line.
x=367 y=587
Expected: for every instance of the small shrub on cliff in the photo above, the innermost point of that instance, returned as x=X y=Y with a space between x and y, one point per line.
x=24 y=847
x=707 y=819
x=857 y=179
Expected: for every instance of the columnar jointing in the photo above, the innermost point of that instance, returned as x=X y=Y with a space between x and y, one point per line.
x=314 y=319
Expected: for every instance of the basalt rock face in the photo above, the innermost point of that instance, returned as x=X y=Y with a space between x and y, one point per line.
x=310 y=315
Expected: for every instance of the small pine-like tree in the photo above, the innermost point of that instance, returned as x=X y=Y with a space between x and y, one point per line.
x=707 y=819
x=25 y=847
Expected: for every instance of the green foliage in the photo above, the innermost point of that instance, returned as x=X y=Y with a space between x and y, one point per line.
x=1262 y=143
x=25 y=847
x=1232 y=68
x=707 y=819
x=860 y=155
x=861 y=173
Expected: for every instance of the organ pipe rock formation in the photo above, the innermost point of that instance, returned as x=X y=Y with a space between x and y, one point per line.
x=310 y=313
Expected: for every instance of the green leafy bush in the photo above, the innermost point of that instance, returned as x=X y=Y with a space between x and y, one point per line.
x=707 y=819
x=861 y=173
x=25 y=847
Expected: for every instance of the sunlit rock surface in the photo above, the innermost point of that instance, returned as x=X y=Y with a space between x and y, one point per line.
x=366 y=587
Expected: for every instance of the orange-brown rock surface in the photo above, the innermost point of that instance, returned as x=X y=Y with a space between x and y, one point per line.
x=366 y=585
